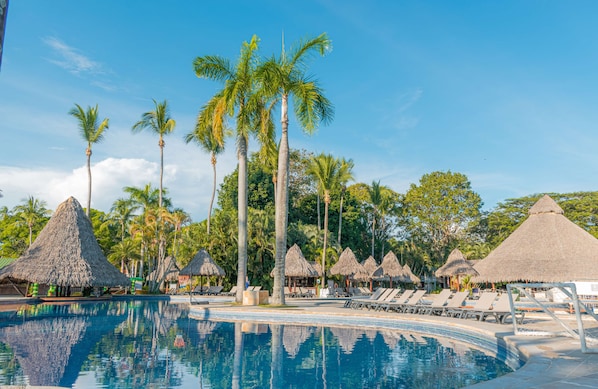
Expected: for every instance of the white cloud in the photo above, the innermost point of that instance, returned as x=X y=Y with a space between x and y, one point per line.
x=71 y=59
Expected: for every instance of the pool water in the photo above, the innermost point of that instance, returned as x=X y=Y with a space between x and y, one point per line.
x=140 y=344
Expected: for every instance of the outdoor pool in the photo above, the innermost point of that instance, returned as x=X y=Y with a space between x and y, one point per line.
x=153 y=343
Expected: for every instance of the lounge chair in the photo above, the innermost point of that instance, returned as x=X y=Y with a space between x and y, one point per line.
x=214 y=290
x=402 y=299
x=408 y=305
x=232 y=291
x=389 y=297
x=367 y=302
x=288 y=293
x=357 y=301
x=307 y=292
x=438 y=301
x=500 y=310
x=455 y=301
x=483 y=303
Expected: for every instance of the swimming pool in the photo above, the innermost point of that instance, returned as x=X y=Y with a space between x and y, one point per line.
x=138 y=344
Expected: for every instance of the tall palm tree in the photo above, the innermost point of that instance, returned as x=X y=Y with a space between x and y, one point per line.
x=239 y=98
x=375 y=193
x=122 y=211
x=204 y=136
x=93 y=132
x=325 y=169
x=345 y=175
x=282 y=78
x=159 y=122
x=30 y=213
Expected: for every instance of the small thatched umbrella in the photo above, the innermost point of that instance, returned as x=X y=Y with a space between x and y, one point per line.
x=66 y=254
x=456 y=266
x=546 y=247
x=295 y=265
x=202 y=264
x=347 y=265
x=370 y=267
x=409 y=276
x=168 y=270
x=390 y=267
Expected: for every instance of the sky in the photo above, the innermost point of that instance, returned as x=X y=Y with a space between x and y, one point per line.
x=504 y=92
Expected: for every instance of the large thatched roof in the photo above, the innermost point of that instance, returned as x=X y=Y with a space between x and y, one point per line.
x=202 y=264
x=370 y=265
x=409 y=276
x=347 y=265
x=295 y=264
x=456 y=265
x=390 y=266
x=546 y=247
x=66 y=253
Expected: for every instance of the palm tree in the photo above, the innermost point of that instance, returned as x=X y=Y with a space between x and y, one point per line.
x=325 y=169
x=345 y=175
x=122 y=211
x=205 y=138
x=124 y=252
x=375 y=193
x=30 y=213
x=282 y=78
x=160 y=122
x=240 y=99
x=92 y=132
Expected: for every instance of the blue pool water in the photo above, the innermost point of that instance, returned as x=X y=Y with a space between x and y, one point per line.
x=139 y=344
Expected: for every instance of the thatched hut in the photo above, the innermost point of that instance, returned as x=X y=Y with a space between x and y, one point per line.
x=202 y=264
x=456 y=266
x=348 y=266
x=546 y=247
x=409 y=276
x=66 y=254
x=167 y=271
x=390 y=267
x=296 y=266
x=370 y=267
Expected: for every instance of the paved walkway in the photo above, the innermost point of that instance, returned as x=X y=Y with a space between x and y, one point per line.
x=552 y=361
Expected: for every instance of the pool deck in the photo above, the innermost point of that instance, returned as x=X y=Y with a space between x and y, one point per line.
x=551 y=361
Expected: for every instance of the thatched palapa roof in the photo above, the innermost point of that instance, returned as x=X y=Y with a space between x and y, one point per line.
x=66 y=253
x=546 y=247
x=168 y=270
x=202 y=264
x=409 y=276
x=347 y=265
x=295 y=264
x=370 y=265
x=456 y=265
x=390 y=266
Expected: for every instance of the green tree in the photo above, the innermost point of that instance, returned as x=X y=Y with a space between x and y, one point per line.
x=122 y=212
x=204 y=136
x=31 y=212
x=439 y=210
x=93 y=132
x=240 y=99
x=326 y=170
x=282 y=78
x=159 y=122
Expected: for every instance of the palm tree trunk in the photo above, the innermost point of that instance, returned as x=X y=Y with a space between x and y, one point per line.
x=340 y=217
x=373 y=235
x=161 y=144
x=88 y=152
x=282 y=205
x=326 y=202
x=242 y=219
x=318 y=211
x=213 y=191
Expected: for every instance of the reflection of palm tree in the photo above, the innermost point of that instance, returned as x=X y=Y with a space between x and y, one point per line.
x=30 y=213
x=92 y=132
x=238 y=356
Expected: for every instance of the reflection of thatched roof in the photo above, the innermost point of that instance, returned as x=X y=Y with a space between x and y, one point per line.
x=546 y=247
x=294 y=336
x=295 y=264
x=347 y=264
x=347 y=337
x=391 y=338
x=166 y=271
x=202 y=265
x=390 y=266
x=456 y=265
x=409 y=276
x=66 y=253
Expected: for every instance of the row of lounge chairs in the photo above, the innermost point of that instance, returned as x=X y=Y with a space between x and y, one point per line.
x=299 y=291
x=444 y=303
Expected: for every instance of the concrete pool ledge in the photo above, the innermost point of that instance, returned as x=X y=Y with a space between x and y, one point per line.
x=550 y=361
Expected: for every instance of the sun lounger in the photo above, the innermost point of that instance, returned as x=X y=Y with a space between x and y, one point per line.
x=367 y=302
x=438 y=301
x=358 y=301
x=402 y=299
x=500 y=310
x=214 y=290
x=408 y=305
x=454 y=302
x=483 y=303
x=231 y=292
x=389 y=297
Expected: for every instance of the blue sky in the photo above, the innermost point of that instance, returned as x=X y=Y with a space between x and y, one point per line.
x=504 y=92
